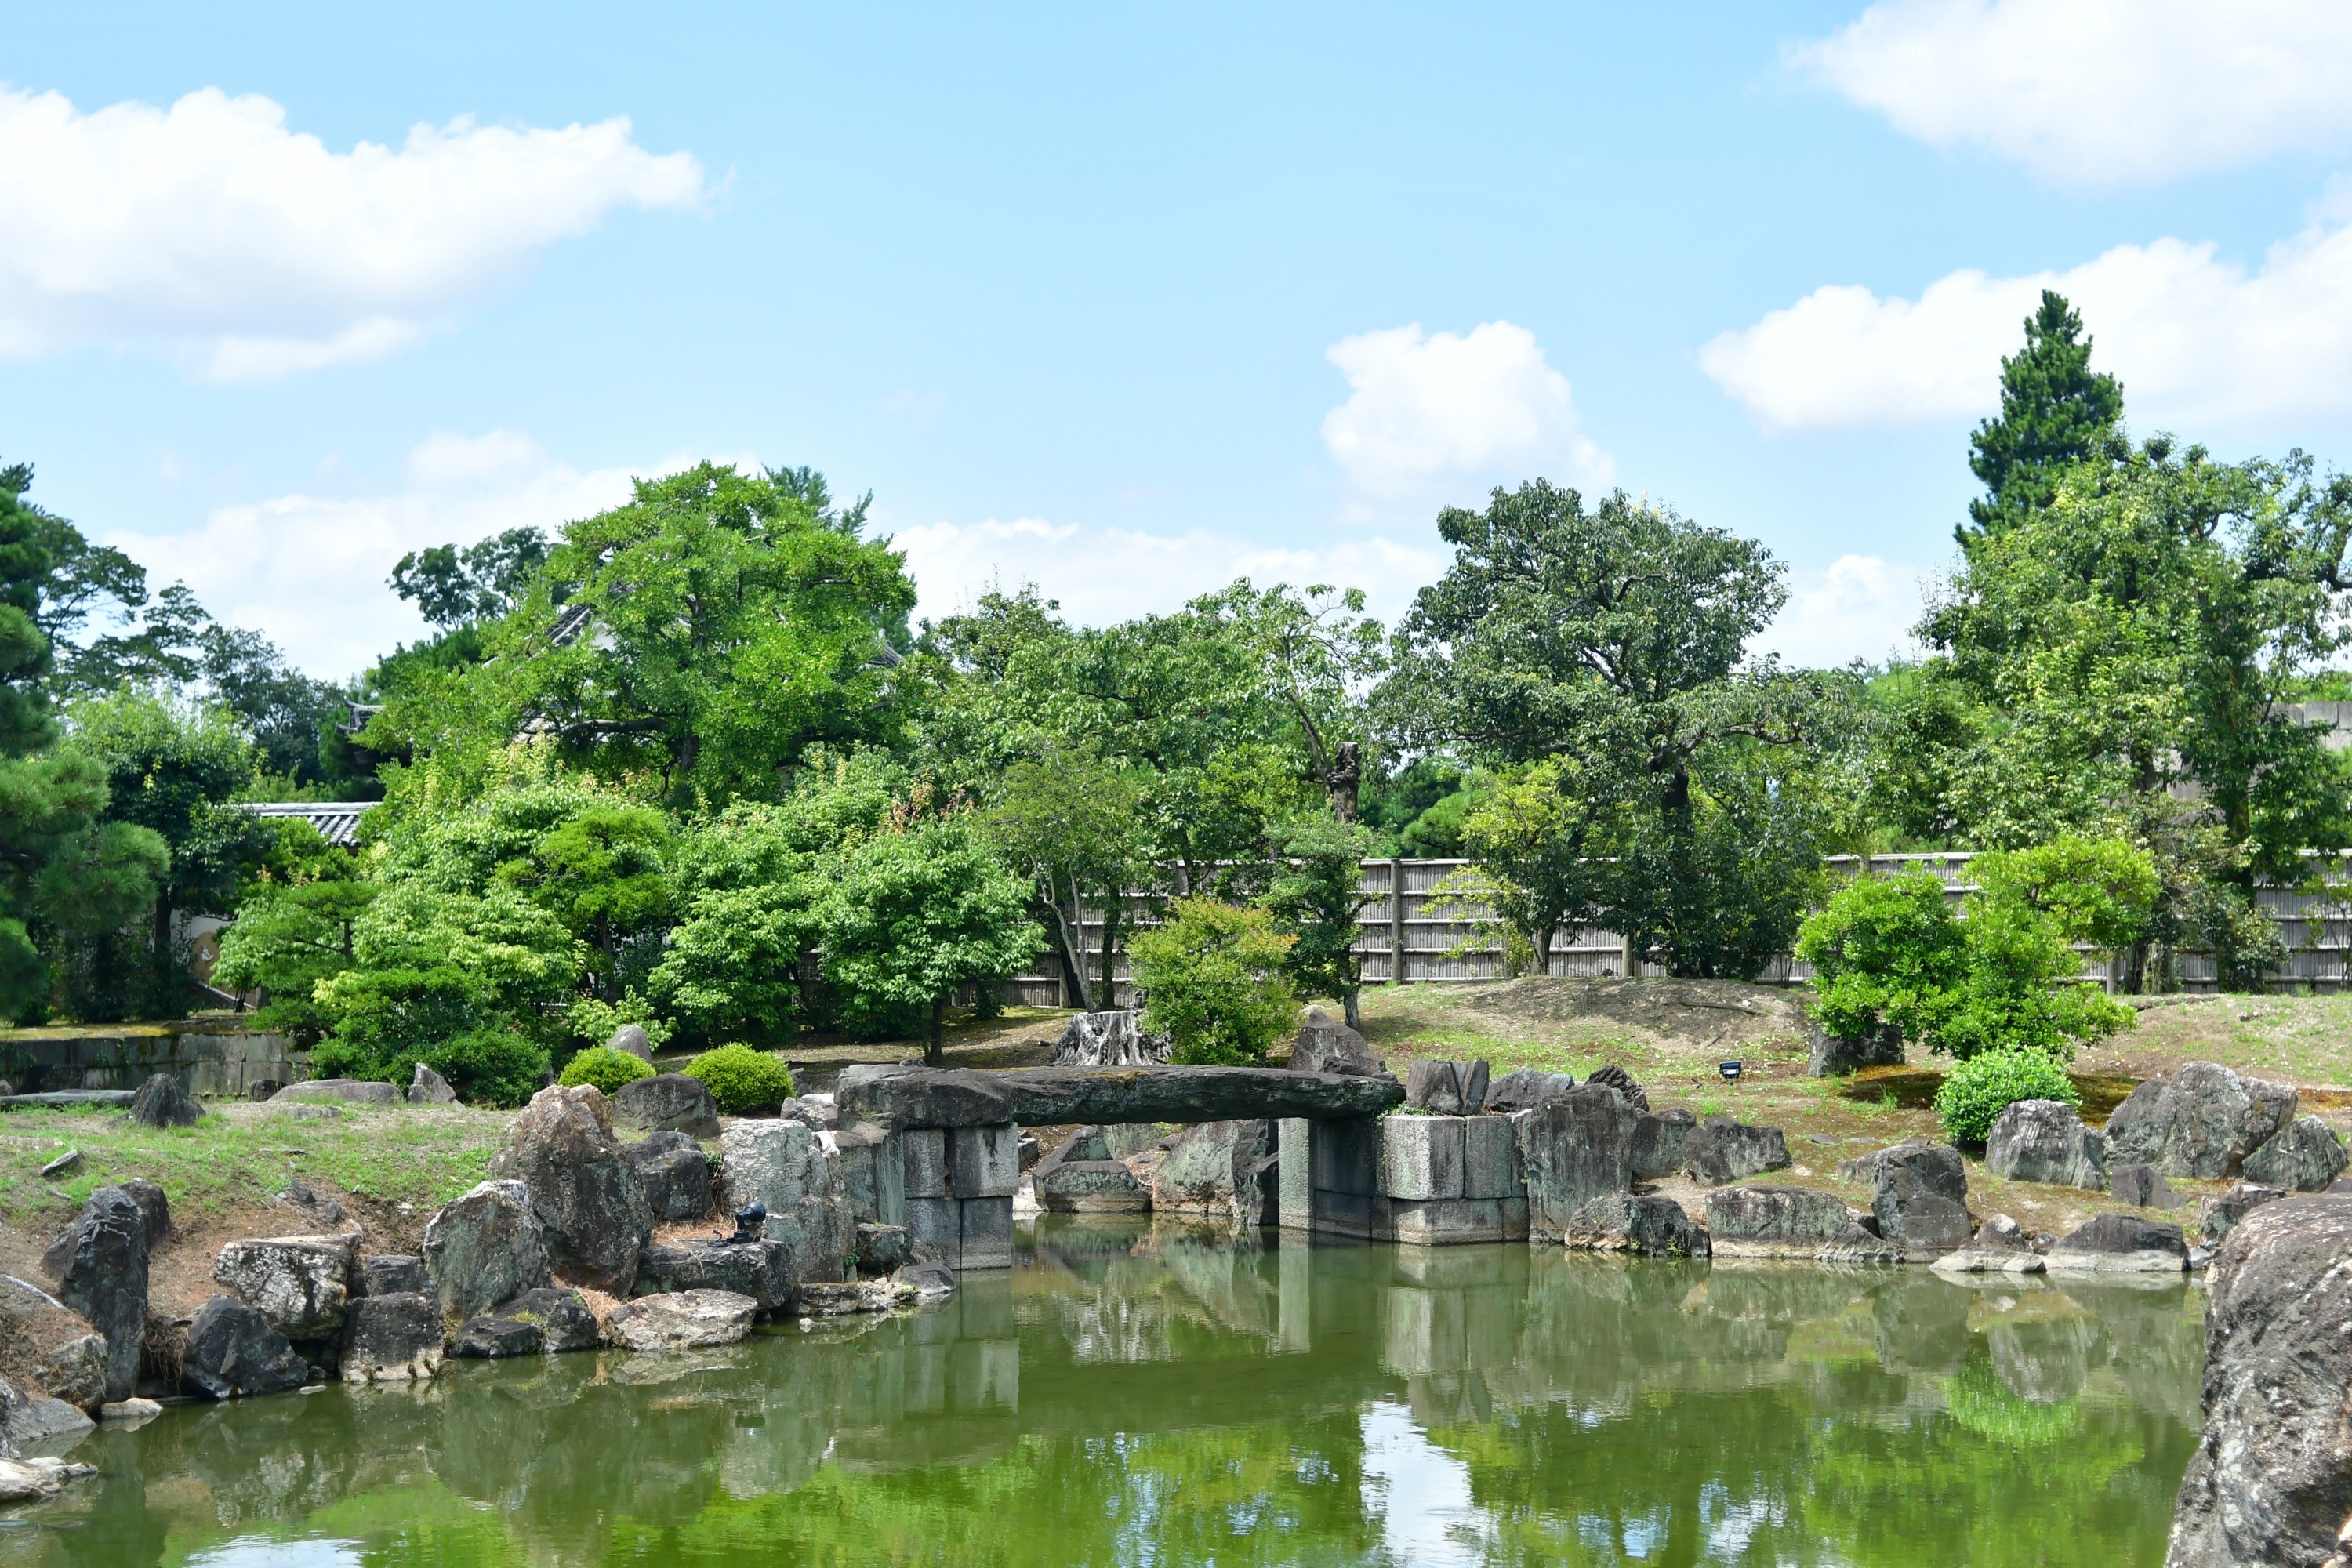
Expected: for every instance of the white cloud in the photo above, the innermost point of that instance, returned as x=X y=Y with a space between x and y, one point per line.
x=308 y=572
x=2192 y=337
x=1859 y=606
x=213 y=232
x=1106 y=574
x=2102 y=91
x=1434 y=417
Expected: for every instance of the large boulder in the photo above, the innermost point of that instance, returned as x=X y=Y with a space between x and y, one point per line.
x=2202 y=1122
x=300 y=1283
x=336 y=1091
x=100 y=1267
x=30 y=1420
x=1082 y=1176
x=2217 y=1216
x=164 y=1101
x=2000 y=1245
x=1919 y=1197
x=686 y=1320
x=674 y=1175
x=484 y=1249
x=154 y=1207
x=2142 y=1187
x=393 y=1274
x=1791 y=1222
x=232 y=1351
x=785 y=1167
x=426 y=1087
x=1651 y=1224
x=1658 y=1143
x=1435 y=1086
x=75 y=1372
x=548 y=1320
x=1720 y=1151
x=631 y=1039
x=1221 y=1169
x=1327 y=1045
x=760 y=1269
x=666 y=1102
x=1525 y=1089
x=392 y=1338
x=2303 y=1156
x=582 y=1186
x=1836 y=1056
x=2268 y=1482
x=1575 y=1148
x=2120 y=1243
x=2045 y=1140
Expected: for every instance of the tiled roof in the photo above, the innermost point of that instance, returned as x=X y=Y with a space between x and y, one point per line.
x=336 y=820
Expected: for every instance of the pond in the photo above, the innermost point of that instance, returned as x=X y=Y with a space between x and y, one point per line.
x=1138 y=1396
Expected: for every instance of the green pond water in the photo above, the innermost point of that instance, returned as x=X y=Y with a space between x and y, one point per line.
x=1146 y=1397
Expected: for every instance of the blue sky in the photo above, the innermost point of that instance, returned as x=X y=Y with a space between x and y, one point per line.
x=1128 y=302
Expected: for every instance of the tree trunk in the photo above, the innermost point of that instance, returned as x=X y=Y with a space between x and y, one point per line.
x=167 y=990
x=1069 y=938
x=1344 y=781
x=936 y=1053
x=1113 y=907
x=1355 y=1013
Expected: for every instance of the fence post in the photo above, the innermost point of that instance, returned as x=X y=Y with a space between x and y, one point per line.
x=1396 y=921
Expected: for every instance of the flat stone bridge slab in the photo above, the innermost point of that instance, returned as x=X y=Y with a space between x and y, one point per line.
x=1044 y=1097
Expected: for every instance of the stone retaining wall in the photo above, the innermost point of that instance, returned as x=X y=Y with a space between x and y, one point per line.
x=207 y=1055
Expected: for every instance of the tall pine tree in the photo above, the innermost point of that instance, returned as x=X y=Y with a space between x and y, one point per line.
x=2054 y=411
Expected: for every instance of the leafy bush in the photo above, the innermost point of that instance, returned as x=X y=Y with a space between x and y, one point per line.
x=606 y=1067
x=742 y=1081
x=1977 y=1090
x=1885 y=950
x=1212 y=979
x=2022 y=991
x=486 y=1067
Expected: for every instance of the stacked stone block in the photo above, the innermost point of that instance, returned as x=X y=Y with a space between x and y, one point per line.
x=1431 y=1181
x=959 y=1185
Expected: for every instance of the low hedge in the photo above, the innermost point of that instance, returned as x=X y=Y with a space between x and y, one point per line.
x=742 y=1081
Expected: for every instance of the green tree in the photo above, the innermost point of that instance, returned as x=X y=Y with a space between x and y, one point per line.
x=1214 y=978
x=295 y=925
x=1317 y=898
x=920 y=911
x=2055 y=411
x=1885 y=950
x=1549 y=835
x=1072 y=819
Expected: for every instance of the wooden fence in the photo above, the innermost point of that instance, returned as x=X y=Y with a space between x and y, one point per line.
x=1414 y=931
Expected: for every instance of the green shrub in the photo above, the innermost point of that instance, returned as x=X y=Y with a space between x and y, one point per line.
x=1977 y=1090
x=606 y=1067
x=486 y=1067
x=1212 y=979
x=1885 y=950
x=742 y=1081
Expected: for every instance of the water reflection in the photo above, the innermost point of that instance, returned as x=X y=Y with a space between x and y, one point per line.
x=1139 y=1395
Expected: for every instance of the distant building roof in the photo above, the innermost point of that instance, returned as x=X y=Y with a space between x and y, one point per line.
x=336 y=820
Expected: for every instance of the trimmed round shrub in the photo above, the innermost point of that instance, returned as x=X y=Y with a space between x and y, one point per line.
x=488 y=1067
x=606 y=1067
x=742 y=1081
x=1977 y=1090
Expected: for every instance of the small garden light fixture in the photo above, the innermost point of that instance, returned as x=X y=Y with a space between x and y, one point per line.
x=1730 y=1071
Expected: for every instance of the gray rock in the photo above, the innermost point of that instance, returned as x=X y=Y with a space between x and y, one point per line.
x=666 y=1102
x=884 y=1248
x=1422 y=1156
x=2044 y=1141
x=1525 y=1089
x=61 y=1164
x=1863 y=1168
x=2120 y=1243
x=1618 y=1079
x=336 y=1091
x=1089 y=1187
x=232 y=1351
x=817 y=1111
x=300 y=1283
x=1490 y=1160
x=154 y=1207
x=632 y=1040
x=560 y=1316
x=164 y=1101
x=2218 y=1216
x=75 y=1371
x=1475 y=1076
x=69 y=1099
x=1327 y=1045
x=1919 y=1197
x=930 y=1281
x=690 y=1319
x=393 y=1274
x=1070 y=1097
x=1651 y=1225
x=2201 y=1123
x=1999 y=1246
x=27 y=1480
x=1224 y=1170
x=1111 y=1039
x=1791 y=1222
x=1720 y=1150
x=1436 y=1087
x=2267 y=1482
x=1836 y=1056
x=674 y=1175
x=484 y=1249
x=395 y=1337
x=1574 y=1149
x=426 y=1087
x=871 y=1173
x=496 y=1337
x=1658 y=1141
x=582 y=1186
x=760 y=1269
x=2303 y=1156
x=100 y=1267
x=785 y=1166
x=30 y=1421
x=2140 y=1186
x=984 y=1162
x=264 y=1088
x=842 y=1300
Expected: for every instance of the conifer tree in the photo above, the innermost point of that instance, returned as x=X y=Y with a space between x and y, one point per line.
x=2054 y=411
